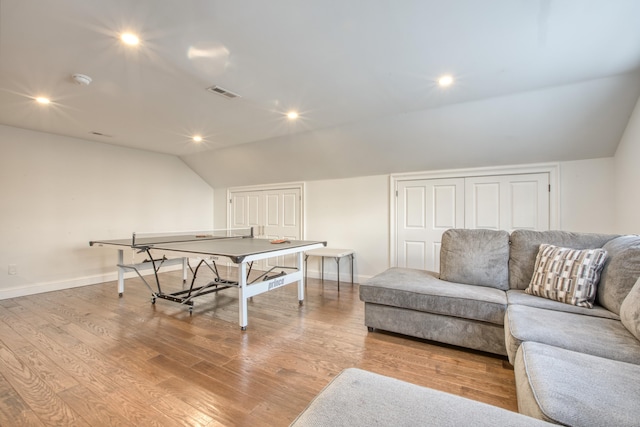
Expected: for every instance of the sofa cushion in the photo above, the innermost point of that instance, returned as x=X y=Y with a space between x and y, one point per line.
x=620 y=272
x=576 y=389
x=475 y=257
x=421 y=290
x=516 y=296
x=525 y=245
x=567 y=275
x=483 y=336
x=360 y=398
x=586 y=334
x=630 y=310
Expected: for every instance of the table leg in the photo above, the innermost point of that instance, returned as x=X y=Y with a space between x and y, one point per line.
x=184 y=270
x=120 y=272
x=242 y=283
x=306 y=257
x=301 y=282
x=338 y=263
x=352 y=269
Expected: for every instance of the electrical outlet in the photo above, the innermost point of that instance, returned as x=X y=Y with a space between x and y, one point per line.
x=13 y=269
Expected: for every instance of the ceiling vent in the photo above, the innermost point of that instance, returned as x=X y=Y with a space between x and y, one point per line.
x=223 y=92
x=100 y=134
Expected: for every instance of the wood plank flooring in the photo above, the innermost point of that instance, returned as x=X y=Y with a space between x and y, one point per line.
x=88 y=358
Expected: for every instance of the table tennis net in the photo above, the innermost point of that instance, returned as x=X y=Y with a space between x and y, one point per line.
x=141 y=239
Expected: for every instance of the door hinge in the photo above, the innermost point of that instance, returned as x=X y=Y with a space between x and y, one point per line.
x=230 y=201
x=549 y=188
x=396 y=193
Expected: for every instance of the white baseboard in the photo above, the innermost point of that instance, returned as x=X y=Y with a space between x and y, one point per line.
x=38 y=288
x=345 y=277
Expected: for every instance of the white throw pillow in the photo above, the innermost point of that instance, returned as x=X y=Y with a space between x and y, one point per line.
x=567 y=275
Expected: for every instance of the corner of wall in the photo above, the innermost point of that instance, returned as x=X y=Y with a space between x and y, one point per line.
x=627 y=177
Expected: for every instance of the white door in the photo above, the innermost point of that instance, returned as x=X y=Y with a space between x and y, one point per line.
x=282 y=221
x=273 y=214
x=245 y=210
x=507 y=202
x=425 y=209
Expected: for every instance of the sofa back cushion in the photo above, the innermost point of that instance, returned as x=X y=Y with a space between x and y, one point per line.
x=526 y=243
x=620 y=272
x=475 y=257
x=630 y=310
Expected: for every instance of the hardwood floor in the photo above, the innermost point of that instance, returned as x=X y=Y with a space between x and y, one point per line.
x=86 y=357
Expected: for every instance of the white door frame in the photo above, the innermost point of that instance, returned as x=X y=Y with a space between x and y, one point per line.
x=295 y=185
x=553 y=169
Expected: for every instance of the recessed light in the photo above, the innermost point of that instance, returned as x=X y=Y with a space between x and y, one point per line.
x=292 y=115
x=43 y=100
x=130 y=39
x=197 y=138
x=445 y=80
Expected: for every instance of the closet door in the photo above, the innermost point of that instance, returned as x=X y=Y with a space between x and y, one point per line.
x=282 y=220
x=428 y=207
x=507 y=202
x=273 y=214
x=246 y=210
x=425 y=209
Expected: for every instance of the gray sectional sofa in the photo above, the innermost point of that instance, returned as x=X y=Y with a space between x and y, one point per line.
x=574 y=364
x=357 y=398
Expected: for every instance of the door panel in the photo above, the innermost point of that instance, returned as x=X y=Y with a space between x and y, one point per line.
x=416 y=254
x=482 y=205
x=273 y=210
x=524 y=205
x=415 y=207
x=445 y=208
x=238 y=211
x=253 y=210
x=290 y=203
x=245 y=210
x=507 y=202
x=426 y=208
x=283 y=221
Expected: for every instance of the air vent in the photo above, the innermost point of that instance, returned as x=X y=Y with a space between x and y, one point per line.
x=223 y=92
x=100 y=134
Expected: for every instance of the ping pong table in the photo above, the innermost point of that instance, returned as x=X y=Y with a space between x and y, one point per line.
x=237 y=245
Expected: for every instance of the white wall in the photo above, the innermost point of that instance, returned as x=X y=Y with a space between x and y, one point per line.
x=354 y=212
x=627 y=175
x=350 y=213
x=59 y=193
x=220 y=204
x=587 y=196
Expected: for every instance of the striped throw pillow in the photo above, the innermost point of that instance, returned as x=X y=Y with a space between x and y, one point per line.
x=567 y=275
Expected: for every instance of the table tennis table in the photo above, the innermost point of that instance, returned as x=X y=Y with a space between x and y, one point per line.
x=239 y=246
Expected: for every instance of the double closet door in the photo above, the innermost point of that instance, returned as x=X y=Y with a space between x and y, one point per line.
x=426 y=208
x=273 y=214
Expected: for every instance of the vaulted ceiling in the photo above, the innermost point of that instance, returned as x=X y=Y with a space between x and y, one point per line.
x=534 y=80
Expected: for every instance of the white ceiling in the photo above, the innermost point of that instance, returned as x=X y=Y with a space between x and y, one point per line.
x=530 y=75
